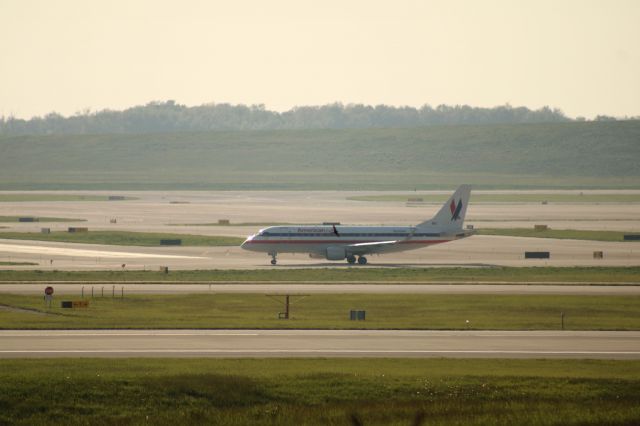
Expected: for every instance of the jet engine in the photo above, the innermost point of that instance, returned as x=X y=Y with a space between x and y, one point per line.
x=336 y=253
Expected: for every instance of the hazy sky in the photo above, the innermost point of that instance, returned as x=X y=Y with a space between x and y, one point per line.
x=580 y=56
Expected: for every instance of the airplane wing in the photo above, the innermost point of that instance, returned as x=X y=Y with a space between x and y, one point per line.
x=373 y=247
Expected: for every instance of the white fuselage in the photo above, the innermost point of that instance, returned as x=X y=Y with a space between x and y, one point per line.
x=315 y=240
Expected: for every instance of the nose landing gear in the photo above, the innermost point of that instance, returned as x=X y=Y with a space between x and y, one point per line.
x=273 y=258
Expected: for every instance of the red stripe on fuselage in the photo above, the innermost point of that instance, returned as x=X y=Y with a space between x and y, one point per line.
x=340 y=241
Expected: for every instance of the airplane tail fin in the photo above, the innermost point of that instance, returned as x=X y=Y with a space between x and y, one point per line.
x=451 y=215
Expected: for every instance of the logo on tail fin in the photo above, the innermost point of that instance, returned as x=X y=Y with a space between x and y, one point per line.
x=455 y=210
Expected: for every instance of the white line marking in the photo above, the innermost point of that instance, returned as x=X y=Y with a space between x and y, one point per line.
x=63 y=251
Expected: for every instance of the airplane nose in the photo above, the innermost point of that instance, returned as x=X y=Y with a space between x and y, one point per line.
x=245 y=244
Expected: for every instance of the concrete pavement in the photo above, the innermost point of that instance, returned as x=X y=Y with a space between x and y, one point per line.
x=320 y=343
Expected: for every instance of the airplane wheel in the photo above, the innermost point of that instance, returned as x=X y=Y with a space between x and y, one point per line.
x=362 y=260
x=351 y=259
x=273 y=261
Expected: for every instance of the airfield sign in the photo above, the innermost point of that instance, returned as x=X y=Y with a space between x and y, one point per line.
x=48 y=295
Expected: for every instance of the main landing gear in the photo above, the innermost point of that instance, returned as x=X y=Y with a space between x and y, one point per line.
x=352 y=259
x=273 y=258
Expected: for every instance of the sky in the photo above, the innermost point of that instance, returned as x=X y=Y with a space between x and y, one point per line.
x=581 y=56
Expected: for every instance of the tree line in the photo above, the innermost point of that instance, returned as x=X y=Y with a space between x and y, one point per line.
x=169 y=116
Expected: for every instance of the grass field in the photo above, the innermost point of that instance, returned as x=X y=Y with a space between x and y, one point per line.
x=16 y=263
x=560 y=155
x=124 y=238
x=578 y=275
x=507 y=198
x=40 y=219
x=55 y=197
x=319 y=391
x=325 y=311
x=555 y=233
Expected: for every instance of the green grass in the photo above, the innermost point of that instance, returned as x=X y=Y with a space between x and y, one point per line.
x=124 y=238
x=507 y=198
x=573 y=234
x=18 y=197
x=319 y=391
x=16 y=263
x=559 y=155
x=40 y=219
x=578 y=275
x=326 y=311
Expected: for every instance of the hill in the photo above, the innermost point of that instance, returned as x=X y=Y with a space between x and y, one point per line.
x=553 y=155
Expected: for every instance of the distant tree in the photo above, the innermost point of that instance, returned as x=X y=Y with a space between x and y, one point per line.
x=604 y=118
x=170 y=116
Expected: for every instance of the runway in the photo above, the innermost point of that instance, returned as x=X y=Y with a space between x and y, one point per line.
x=476 y=251
x=320 y=343
x=77 y=289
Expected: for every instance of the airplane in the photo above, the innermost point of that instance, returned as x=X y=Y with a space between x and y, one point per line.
x=335 y=242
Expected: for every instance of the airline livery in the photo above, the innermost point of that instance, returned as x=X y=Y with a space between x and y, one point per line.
x=336 y=242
